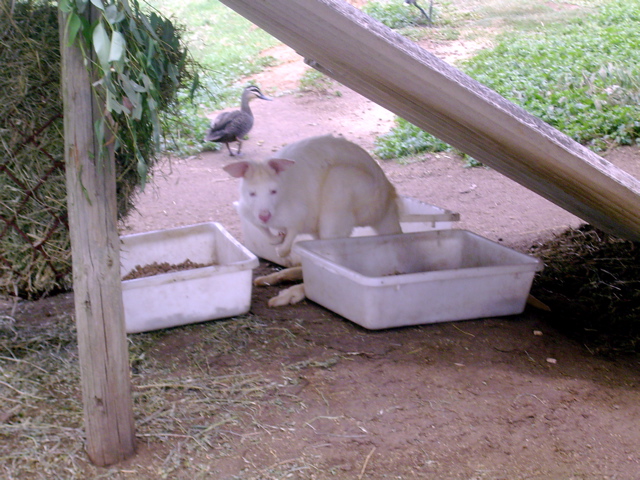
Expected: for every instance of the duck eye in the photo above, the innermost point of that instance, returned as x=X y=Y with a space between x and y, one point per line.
x=252 y=194
x=273 y=192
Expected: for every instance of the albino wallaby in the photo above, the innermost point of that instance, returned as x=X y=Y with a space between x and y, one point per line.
x=323 y=186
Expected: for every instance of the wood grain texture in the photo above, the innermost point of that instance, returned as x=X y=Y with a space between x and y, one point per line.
x=95 y=245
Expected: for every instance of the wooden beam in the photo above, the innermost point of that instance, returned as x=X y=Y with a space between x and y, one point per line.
x=95 y=247
x=394 y=72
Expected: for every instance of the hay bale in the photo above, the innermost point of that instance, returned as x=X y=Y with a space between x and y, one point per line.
x=35 y=251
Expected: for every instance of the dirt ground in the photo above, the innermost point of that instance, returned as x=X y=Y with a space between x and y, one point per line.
x=495 y=398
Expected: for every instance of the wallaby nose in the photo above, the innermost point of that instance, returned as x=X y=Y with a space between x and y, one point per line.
x=264 y=216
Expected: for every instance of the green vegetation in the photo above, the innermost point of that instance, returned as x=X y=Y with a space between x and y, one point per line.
x=394 y=14
x=225 y=42
x=141 y=63
x=314 y=81
x=406 y=140
x=411 y=23
x=228 y=46
x=582 y=77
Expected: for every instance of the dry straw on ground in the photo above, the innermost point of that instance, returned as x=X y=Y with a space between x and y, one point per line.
x=188 y=413
x=41 y=416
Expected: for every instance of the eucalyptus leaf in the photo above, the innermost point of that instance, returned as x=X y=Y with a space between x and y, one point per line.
x=155 y=120
x=150 y=29
x=113 y=14
x=195 y=85
x=98 y=128
x=131 y=85
x=65 y=6
x=113 y=105
x=136 y=114
x=101 y=45
x=81 y=5
x=151 y=50
x=136 y=51
x=143 y=170
x=148 y=84
x=120 y=65
x=127 y=86
x=173 y=74
x=74 y=24
x=98 y=4
x=118 y=47
x=133 y=28
x=127 y=8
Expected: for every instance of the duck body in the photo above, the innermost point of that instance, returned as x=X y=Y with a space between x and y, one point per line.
x=232 y=126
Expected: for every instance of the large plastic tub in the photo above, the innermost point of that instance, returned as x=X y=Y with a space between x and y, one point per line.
x=416 y=278
x=415 y=216
x=189 y=296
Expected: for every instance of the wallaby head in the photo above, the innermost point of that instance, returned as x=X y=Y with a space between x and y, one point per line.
x=260 y=187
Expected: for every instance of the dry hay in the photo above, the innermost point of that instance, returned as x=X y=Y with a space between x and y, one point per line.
x=591 y=281
x=183 y=409
x=35 y=256
x=32 y=188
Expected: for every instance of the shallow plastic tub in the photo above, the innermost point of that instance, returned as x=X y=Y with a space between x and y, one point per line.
x=190 y=296
x=416 y=278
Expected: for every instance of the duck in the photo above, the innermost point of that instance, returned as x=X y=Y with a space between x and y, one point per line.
x=232 y=126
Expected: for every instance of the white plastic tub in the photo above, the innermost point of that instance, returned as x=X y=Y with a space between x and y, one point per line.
x=416 y=278
x=189 y=296
x=416 y=216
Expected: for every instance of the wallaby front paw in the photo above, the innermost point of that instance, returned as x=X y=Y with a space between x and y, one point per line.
x=277 y=239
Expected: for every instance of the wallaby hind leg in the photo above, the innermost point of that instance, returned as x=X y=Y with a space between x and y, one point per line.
x=288 y=296
x=287 y=274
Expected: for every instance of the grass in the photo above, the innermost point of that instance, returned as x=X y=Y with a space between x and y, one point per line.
x=599 y=110
x=313 y=81
x=395 y=14
x=407 y=140
x=229 y=47
x=576 y=68
x=225 y=42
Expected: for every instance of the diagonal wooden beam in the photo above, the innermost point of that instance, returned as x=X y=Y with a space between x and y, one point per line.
x=368 y=57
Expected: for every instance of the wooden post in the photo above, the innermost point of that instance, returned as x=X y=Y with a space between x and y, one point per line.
x=95 y=246
x=394 y=72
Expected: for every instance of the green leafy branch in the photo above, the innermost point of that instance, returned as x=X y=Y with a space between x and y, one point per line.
x=140 y=64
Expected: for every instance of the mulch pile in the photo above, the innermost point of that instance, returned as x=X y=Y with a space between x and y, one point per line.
x=591 y=282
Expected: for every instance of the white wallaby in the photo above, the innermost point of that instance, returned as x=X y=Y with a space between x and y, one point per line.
x=323 y=186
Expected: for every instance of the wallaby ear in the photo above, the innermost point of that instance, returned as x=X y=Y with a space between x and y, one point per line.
x=280 y=164
x=237 y=169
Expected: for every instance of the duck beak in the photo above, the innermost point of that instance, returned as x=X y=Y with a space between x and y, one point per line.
x=263 y=97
